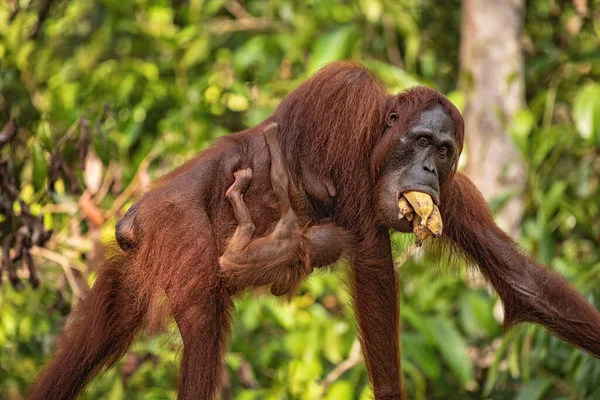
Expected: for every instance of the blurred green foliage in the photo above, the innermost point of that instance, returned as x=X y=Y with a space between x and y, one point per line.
x=164 y=78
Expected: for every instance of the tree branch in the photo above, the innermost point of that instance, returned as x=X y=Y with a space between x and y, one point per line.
x=354 y=358
x=42 y=15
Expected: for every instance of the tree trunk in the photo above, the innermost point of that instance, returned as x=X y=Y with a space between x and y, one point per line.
x=493 y=80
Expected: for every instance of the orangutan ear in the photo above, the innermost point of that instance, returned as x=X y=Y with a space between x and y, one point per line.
x=391 y=118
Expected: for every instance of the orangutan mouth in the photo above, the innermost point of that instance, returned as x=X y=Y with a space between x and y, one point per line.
x=419 y=208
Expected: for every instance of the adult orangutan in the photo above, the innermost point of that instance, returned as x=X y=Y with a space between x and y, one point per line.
x=351 y=154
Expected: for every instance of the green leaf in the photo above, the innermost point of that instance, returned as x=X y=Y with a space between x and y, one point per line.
x=552 y=199
x=366 y=393
x=417 y=379
x=340 y=390
x=453 y=348
x=458 y=98
x=416 y=347
x=521 y=125
x=40 y=167
x=196 y=52
x=395 y=78
x=476 y=314
x=586 y=111
x=330 y=47
x=536 y=390
x=372 y=9
x=494 y=371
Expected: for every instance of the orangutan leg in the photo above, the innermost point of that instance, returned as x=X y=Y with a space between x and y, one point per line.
x=288 y=224
x=245 y=229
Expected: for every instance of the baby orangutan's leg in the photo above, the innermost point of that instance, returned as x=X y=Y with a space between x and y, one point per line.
x=287 y=255
x=245 y=229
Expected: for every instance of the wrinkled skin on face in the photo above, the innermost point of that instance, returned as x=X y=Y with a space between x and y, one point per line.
x=421 y=160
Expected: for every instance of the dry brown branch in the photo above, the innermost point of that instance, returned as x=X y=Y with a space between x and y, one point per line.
x=393 y=52
x=15 y=10
x=64 y=262
x=132 y=187
x=106 y=182
x=42 y=15
x=224 y=25
x=354 y=358
x=68 y=134
x=60 y=208
x=237 y=10
x=581 y=6
x=409 y=253
x=90 y=210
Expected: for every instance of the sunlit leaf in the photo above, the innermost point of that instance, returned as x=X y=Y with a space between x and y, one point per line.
x=476 y=314
x=340 y=389
x=40 y=167
x=453 y=348
x=586 y=111
x=330 y=47
x=536 y=390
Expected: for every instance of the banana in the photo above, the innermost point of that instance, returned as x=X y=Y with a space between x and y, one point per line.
x=421 y=203
x=434 y=222
x=418 y=207
x=420 y=230
x=405 y=209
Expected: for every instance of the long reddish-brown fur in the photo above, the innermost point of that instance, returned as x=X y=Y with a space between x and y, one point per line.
x=331 y=130
x=529 y=293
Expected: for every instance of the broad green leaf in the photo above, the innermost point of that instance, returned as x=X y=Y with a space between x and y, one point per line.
x=417 y=379
x=341 y=389
x=372 y=9
x=196 y=52
x=453 y=348
x=520 y=127
x=44 y=134
x=395 y=78
x=366 y=393
x=458 y=98
x=476 y=314
x=537 y=390
x=494 y=371
x=586 y=111
x=331 y=47
x=416 y=347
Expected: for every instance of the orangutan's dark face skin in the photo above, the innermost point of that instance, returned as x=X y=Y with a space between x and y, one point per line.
x=421 y=160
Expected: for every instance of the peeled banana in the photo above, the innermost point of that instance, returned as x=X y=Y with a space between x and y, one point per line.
x=434 y=222
x=421 y=203
x=405 y=209
x=420 y=231
x=418 y=207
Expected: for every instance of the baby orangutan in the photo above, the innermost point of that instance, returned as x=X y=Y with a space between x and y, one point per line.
x=287 y=255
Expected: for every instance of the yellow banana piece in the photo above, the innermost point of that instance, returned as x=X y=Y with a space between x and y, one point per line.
x=405 y=209
x=421 y=203
x=434 y=222
x=420 y=230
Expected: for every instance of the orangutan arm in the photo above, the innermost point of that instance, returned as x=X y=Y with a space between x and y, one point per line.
x=529 y=293
x=377 y=308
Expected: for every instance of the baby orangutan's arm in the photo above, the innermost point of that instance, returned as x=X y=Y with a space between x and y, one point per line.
x=287 y=255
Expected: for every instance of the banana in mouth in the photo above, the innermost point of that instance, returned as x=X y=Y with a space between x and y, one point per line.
x=418 y=207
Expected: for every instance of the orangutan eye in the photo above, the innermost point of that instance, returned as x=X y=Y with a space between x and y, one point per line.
x=442 y=151
x=423 y=142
